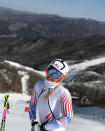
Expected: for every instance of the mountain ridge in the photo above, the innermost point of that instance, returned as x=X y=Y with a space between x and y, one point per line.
x=37 y=52
x=25 y=24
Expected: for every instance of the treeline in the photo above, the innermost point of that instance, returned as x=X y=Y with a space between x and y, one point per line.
x=94 y=92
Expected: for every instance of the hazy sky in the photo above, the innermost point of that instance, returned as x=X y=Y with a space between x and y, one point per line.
x=94 y=9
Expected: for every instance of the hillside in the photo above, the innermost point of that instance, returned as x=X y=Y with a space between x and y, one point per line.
x=17 y=78
x=33 y=40
x=38 y=52
x=15 y=23
x=84 y=79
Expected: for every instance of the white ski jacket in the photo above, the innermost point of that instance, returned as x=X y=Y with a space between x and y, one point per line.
x=56 y=111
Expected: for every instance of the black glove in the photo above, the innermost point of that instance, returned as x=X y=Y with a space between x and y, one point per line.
x=33 y=123
x=42 y=127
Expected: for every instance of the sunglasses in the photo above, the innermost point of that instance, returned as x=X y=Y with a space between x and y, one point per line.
x=54 y=72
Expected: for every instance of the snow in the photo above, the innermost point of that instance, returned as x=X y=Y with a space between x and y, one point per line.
x=87 y=64
x=74 y=69
x=25 y=67
x=79 y=66
x=24 y=79
x=18 y=120
x=82 y=124
x=24 y=73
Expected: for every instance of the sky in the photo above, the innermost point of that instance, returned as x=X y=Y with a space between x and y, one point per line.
x=93 y=9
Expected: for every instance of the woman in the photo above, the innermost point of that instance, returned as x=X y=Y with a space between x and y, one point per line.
x=53 y=100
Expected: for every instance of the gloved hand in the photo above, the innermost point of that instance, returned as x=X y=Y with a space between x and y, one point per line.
x=34 y=122
x=42 y=127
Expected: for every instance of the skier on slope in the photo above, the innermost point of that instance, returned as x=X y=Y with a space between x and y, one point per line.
x=53 y=100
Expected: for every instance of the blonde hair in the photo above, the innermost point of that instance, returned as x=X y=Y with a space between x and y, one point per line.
x=52 y=92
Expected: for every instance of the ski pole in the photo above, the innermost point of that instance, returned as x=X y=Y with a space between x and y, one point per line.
x=4 y=113
x=4 y=124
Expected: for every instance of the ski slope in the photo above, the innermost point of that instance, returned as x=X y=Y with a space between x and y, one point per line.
x=18 y=120
x=78 y=66
x=73 y=70
x=87 y=64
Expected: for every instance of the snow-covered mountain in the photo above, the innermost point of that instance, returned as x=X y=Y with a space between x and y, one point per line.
x=85 y=78
x=15 y=77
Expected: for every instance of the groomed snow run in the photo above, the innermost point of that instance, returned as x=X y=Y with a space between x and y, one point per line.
x=87 y=64
x=18 y=120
